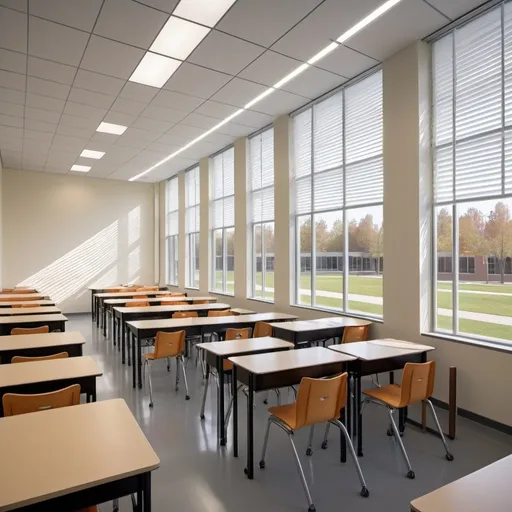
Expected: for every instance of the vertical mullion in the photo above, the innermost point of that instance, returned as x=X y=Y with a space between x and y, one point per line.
x=224 y=260
x=345 y=217
x=263 y=252
x=455 y=230
x=313 y=226
x=434 y=270
x=455 y=268
x=503 y=98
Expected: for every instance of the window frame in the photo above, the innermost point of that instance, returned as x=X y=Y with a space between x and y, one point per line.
x=192 y=238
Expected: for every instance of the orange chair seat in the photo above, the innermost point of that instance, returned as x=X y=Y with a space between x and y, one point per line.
x=286 y=413
x=150 y=355
x=388 y=394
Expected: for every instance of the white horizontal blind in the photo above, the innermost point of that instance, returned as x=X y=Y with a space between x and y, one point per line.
x=472 y=70
x=172 y=206
x=192 y=200
x=261 y=176
x=222 y=189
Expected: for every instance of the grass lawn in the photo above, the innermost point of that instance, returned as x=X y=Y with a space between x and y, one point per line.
x=478 y=287
x=476 y=328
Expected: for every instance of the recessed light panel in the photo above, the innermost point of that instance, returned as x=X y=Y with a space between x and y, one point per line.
x=80 y=168
x=206 y=12
x=89 y=153
x=178 y=38
x=154 y=70
x=115 y=129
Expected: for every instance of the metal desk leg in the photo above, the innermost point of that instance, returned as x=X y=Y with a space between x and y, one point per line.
x=234 y=384
x=92 y=305
x=343 y=441
x=139 y=361
x=122 y=341
x=359 y=417
x=134 y=370
x=221 y=427
x=349 y=405
x=249 y=470
x=119 y=335
x=104 y=320
x=147 y=492
x=97 y=309
x=113 y=328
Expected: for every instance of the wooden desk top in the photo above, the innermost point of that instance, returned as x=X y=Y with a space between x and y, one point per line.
x=44 y=302
x=128 y=294
x=171 y=309
x=485 y=489
x=209 y=320
x=29 y=311
x=7 y=297
x=170 y=300
x=379 y=349
x=321 y=323
x=26 y=319
x=47 y=371
x=281 y=361
x=231 y=348
x=84 y=446
x=242 y=311
x=51 y=339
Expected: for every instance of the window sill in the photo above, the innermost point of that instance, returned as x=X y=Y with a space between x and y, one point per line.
x=191 y=288
x=265 y=301
x=221 y=293
x=481 y=343
x=376 y=319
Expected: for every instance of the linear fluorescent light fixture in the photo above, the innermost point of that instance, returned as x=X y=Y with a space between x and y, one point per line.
x=89 y=153
x=154 y=70
x=205 y=11
x=178 y=38
x=80 y=168
x=115 y=129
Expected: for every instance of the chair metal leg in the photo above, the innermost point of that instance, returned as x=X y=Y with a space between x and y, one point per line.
x=204 y=395
x=301 y=474
x=168 y=364
x=115 y=505
x=150 y=384
x=187 y=396
x=177 y=374
x=230 y=406
x=265 y=400
x=278 y=396
x=309 y=450
x=449 y=456
x=410 y=472
x=326 y=435
x=265 y=442
x=364 y=489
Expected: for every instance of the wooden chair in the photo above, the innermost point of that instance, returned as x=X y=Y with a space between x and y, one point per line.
x=318 y=401
x=175 y=294
x=417 y=386
x=140 y=304
x=16 y=298
x=226 y=312
x=23 y=290
x=167 y=345
x=140 y=297
x=130 y=289
x=185 y=314
x=30 y=305
x=355 y=333
x=262 y=329
x=201 y=302
x=16 y=305
x=148 y=289
x=31 y=330
x=26 y=359
x=178 y=303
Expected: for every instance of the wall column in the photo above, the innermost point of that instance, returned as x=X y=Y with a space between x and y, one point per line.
x=241 y=218
x=204 y=226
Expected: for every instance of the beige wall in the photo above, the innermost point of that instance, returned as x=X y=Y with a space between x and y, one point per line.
x=64 y=233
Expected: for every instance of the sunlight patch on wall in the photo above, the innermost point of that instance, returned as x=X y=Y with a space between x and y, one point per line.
x=133 y=263
x=133 y=225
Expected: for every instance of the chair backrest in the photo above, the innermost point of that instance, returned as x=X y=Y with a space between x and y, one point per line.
x=30 y=305
x=116 y=290
x=23 y=290
x=185 y=314
x=25 y=359
x=140 y=297
x=130 y=289
x=226 y=312
x=148 y=289
x=178 y=303
x=175 y=294
x=7 y=290
x=31 y=330
x=140 y=304
x=201 y=302
x=417 y=382
x=21 y=404
x=16 y=305
x=17 y=297
x=238 y=334
x=320 y=400
x=262 y=329
x=354 y=333
x=169 y=344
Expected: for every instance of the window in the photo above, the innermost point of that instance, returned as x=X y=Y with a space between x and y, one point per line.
x=171 y=222
x=192 y=227
x=261 y=214
x=337 y=200
x=222 y=218
x=472 y=91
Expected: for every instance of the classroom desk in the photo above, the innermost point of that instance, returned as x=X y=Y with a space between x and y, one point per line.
x=56 y=322
x=193 y=326
x=485 y=489
x=74 y=457
x=45 y=376
x=218 y=351
x=7 y=297
x=49 y=310
x=377 y=356
x=9 y=304
x=242 y=311
x=36 y=345
x=304 y=331
x=121 y=315
x=270 y=371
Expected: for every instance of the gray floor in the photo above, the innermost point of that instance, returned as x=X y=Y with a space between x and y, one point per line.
x=197 y=475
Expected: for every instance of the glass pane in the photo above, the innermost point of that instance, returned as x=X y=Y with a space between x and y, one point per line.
x=366 y=260
x=218 y=260
x=329 y=260
x=257 y=262
x=230 y=260
x=268 y=242
x=444 y=269
x=196 y=260
x=485 y=273
x=174 y=257
x=304 y=260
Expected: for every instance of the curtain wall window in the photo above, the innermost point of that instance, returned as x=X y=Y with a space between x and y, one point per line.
x=172 y=230
x=192 y=227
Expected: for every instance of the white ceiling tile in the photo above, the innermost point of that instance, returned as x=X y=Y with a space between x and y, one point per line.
x=11 y=109
x=94 y=99
x=30 y=166
x=68 y=143
x=264 y=21
x=47 y=88
x=200 y=121
x=12 y=80
x=172 y=139
x=8 y=131
x=177 y=101
x=111 y=58
x=55 y=42
x=134 y=133
x=12 y=61
x=346 y=62
x=455 y=8
x=185 y=132
x=199 y=150
x=132 y=142
x=215 y=109
x=38 y=136
x=225 y=53
x=119 y=154
x=11 y=159
x=163 y=114
x=238 y=92
x=152 y=125
x=235 y=129
x=128 y=106
x=220 y=139
x=52 y=71
x=74 y=13
x=6 y=120
x=404 y=23
x=12 y=96
x=78 y=122
x=101 y=141
x=280 y=102
x=33 y=124
x=56 y=169
x=83 y=133
x=45 y=102
x=13 y=30
x=164 y=5
x=77 y=109
x=163 y=149
x=62 y=157
x=19 y=5
x=254 y=119
x=119 y=118
x=269 y=68
x=98 y=83
x=138 y=92
x=10 y=143
x=130 y=22
x=42 y=115
x=313 y=83
x=33 y=147
x=196 y=80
